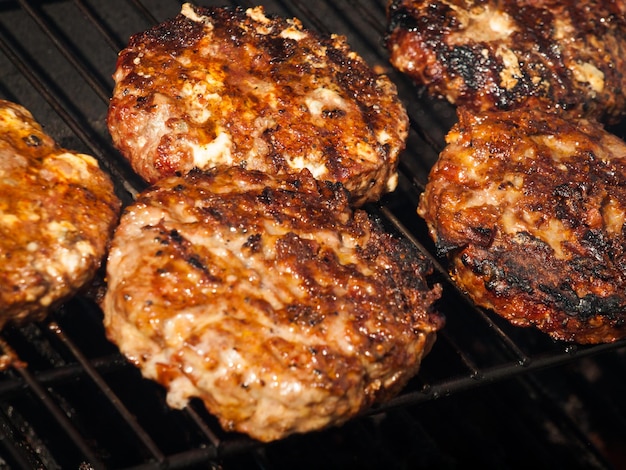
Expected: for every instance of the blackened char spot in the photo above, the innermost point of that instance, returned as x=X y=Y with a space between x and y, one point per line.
x=467 y=63
x=432 y=23
x=597 y=242
x=484 y=234
x=214 y=212
x=401 y=18
x=176 y=236
x=253 y=243
x=569 y=202
x=196 y=262
x=333 y=113
x=266 y=197
x=586 y=307
x=179 y=33
x=303 y=314
x=32 y=140
x=278 y=49
x=185 y=252
x=509 y=276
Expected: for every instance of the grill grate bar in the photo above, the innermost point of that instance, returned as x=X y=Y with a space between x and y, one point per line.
x=492 y=374
x=369 y=17
x=17 y=445
x=59 y=416
x=13 y=385
x=553 y=409
x=144 y=11
x=100 y=26
x=311 y=17
x=91 y=371
x=70 y=55
x=202 y=425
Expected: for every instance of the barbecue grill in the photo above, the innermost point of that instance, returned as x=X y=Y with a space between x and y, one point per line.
x=489 y=394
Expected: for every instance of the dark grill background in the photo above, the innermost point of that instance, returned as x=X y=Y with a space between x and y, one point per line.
x=488 y=395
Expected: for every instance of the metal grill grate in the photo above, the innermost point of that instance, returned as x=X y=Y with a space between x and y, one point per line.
x=488 y=394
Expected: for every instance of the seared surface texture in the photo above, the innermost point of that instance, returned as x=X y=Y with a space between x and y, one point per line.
x=530 y=208
x=503 y=54
x=268 y=298
x=232 y=86
x=57 y=213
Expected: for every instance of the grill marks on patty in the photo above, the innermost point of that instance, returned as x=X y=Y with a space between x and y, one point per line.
x=269 y=298
x=228 y=86
x=501 y=55
x=530 y=207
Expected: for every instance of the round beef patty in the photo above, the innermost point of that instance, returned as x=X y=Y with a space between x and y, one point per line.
x=268 y=298
x=505 y=54
x=530 y=209
x=229 y=86
x=58 y=210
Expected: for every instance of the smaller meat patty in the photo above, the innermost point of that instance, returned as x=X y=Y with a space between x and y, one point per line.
x=58 y=210
x=268 y=298
x=229 y=86
x=501 y=54
x=530 y=209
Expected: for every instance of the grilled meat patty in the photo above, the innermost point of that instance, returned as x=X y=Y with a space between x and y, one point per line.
x=57 y=214
x=228 y=86
x=268 y=298
x=530 y=209
x=499 y=55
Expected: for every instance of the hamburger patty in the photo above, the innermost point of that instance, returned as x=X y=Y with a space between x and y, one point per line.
x=499 y=55
x=228 y=86
x=57 y=213
x=268 y=298
x=530 y=207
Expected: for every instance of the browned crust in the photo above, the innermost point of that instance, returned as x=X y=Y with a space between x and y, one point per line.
x=428 y=41
x=297 y=233
x=57 y=214
x=247 y=55
x=554 y=258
